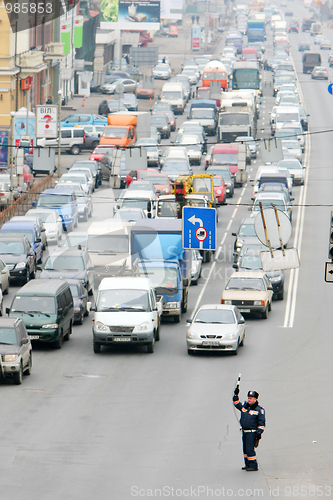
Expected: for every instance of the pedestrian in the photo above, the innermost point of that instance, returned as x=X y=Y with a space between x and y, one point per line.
x=253 y=423
x=49 y=100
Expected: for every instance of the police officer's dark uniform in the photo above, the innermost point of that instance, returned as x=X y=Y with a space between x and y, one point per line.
x=253 y=425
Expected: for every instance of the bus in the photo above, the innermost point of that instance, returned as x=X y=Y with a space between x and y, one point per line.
x=246 y=75
x=215 y=71
x=236 y=41
x=257 y=5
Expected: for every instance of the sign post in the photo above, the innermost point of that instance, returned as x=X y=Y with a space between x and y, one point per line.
x=47 y=121
x=199 y=228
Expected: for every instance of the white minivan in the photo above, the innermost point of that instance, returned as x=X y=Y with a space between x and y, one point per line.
x=174 y=93
x=126 y=312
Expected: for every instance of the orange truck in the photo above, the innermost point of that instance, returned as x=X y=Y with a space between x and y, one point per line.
x=125 y=128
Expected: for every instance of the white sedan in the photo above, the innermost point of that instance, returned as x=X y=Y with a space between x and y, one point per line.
x=216 y=327
x=51 y=221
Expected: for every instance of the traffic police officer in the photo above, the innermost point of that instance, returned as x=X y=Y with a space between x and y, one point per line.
x=253 y=425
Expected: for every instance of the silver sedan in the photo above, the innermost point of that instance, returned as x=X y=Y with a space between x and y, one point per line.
x=119 y=86
x=216 y=327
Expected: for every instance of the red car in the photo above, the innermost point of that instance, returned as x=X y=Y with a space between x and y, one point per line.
x=161 y=182
x=28 y=176
x=99 y=152
x=143 y=91
x=134 y=175
x=171 y=118
x=219 y=189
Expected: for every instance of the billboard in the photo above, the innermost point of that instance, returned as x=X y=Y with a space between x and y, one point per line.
x=47 y=121
x=171 y=9
x=130 y=14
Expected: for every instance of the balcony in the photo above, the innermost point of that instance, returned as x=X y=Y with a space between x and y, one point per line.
x=54 y=50
x=31 y=62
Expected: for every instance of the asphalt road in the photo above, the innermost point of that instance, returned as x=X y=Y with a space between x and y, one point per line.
x=123 y=423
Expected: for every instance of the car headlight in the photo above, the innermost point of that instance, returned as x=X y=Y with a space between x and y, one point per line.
x=142 y=328
x=227 y=302
x=20 y=265
x=230 y=336
x=50 y=325
x=276 y=279
x=193 y=335
x=76 y=309
x=99 y=326
x=194 y=267
x=258 y=303
x=219 y=191
x=165 y=127
x=171 y=305
x=10 y=357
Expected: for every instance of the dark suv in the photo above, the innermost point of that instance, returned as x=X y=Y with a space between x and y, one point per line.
x=15 y=349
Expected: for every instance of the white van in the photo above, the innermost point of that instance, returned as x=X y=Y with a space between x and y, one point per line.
x=139 y=198
x=72 y=140
x=287 y=115
x=316 y=29
x=174 y=93
x=126 y=312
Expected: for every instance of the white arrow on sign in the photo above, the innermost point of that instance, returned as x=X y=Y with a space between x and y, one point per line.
x=195 y=219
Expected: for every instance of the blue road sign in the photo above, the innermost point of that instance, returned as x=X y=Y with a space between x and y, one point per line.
x=199 y=228
x=330 y=88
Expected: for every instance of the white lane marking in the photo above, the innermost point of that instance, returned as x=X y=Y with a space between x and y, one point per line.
x=294 y=273
x=218 y=253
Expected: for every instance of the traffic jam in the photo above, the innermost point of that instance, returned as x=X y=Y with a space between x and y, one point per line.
x=127 y=275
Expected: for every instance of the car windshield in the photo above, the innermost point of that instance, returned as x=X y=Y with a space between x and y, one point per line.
x=114 y=132
x=23 y=232
x=75 y=289
x=157 y=180
x=225 y=159
x=250 y=262
x=289 y=164
x=64 y=263
x=123 y=300
x=103 y=151
x=158 y=120
x=164 y=280
x=8 y=336
x=202 y=113
x=34 y=304
x=108 y=243
x=162 y=67
x=172 y=166
x=290 y=144
x=217 y=181
x=170 y=95
x=246 y=230
x=167 y=209
x=279 y=204
x=245 y=284
x=11 y=248
x=73 y=240
x=53 y=200
x=218 y=316
x=225 y=173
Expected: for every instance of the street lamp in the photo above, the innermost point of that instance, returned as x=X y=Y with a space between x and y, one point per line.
x=11 y=154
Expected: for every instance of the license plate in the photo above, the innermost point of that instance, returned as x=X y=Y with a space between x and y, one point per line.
x=33 y=337
x=209 y=342
x=244 y=310
x=122 y=339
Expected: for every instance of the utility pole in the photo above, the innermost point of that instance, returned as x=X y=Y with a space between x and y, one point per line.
x=59 y=132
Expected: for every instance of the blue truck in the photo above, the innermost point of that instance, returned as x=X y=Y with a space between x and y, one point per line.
x=256 y=31
x=205 y=112
x=159 y=247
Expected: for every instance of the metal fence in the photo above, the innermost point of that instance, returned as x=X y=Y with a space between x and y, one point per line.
x=24 y=202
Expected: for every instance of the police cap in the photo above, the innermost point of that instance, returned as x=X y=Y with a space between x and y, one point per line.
x=253 y=394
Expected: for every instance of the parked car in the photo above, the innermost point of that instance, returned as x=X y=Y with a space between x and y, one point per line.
x=15 y=349
x=84 y=119
x=216 y=327
x=121 y=85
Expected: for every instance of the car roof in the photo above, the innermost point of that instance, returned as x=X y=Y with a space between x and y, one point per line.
x=269 y=195
x=125 y=282
x=68 y=251
x=8 y=322
x=19 y=224
x=62 y=190
x=217 y=306
x=248 y=274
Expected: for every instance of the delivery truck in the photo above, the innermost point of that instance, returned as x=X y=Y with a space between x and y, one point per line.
x=125 y=128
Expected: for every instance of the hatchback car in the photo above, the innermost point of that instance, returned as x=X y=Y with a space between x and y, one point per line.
x=161 y=122
x=216 y=327
x=144 y=90
x=15 y=349
x=250 y=291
